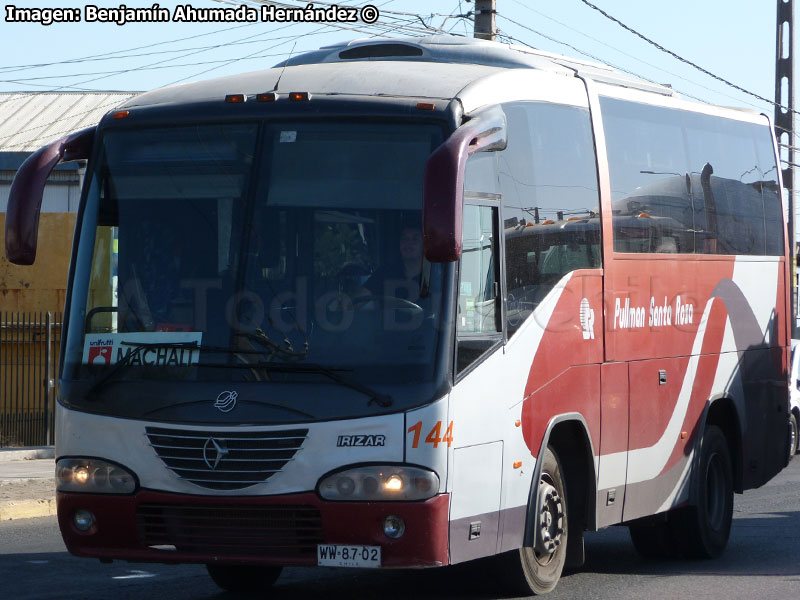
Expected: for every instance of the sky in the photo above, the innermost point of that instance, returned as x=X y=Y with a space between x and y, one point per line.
x=734 y=39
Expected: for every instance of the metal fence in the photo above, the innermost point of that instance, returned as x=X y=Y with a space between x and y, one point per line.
x=29 y=350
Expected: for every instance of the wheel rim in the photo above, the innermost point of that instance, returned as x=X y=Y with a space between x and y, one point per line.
x=715 y=492
x=793 y=438
x=551 y=521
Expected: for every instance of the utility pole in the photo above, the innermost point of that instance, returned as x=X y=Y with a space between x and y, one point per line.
x=784 y=126
x=485 y=23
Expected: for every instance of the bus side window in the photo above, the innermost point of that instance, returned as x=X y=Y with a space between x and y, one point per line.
x=707 y=183
x=478 y=324
x=737 y=184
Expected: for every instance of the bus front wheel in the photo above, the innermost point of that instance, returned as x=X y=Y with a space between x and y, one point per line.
x=536 y=570
x=244 y=578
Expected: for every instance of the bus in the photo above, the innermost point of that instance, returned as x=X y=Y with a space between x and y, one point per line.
x=412 y=303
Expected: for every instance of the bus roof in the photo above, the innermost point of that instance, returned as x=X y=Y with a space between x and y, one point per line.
x=445 y=67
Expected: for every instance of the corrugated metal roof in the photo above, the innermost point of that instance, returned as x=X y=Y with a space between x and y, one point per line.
x=29 y=120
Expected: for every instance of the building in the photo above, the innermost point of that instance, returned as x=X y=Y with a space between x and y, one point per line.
x=29 y=121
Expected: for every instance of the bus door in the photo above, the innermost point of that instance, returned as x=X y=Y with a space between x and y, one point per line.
x=477 y=458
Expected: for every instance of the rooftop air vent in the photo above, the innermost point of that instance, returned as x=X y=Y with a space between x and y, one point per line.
x=380 y=51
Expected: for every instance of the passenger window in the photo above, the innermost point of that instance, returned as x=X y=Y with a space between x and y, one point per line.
x=770 y=192
x=551 y=215
x=740 y=195
x=691 y=183
x=651 y=188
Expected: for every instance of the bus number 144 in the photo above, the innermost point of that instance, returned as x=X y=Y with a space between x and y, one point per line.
x=434 y=436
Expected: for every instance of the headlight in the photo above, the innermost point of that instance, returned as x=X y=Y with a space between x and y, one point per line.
x=382 y=482
x=93 y=476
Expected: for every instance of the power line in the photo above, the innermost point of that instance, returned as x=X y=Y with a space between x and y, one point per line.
x=158 y=67
x=28 y=80
x=126 y=56
x=322 y=3
x=249 y=56
x=107 y=55
x=400 y=25
x=464 y=21
x=382 y=27
x=593 y=57
x=132 y=69
x=636 y=58
x=320 y=29
x=683 y=60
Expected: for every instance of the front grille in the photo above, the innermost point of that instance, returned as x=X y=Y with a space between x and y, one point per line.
x=224 y=530
x=225 y=460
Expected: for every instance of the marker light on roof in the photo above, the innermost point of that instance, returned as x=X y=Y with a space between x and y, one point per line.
x=426 y=106
x=267 y=97
x=235 y=98
x=121 y=114
x=299 y=96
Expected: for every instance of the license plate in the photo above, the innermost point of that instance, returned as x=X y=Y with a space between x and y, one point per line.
x=336 y=555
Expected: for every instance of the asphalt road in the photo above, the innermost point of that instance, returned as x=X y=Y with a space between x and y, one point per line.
x=762 y=561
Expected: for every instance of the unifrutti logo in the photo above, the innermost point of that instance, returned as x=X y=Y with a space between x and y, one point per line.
x=100 y=352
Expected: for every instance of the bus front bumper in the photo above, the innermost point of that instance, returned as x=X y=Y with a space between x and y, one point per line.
x=152 y=526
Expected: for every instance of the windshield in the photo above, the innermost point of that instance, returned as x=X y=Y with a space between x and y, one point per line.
x=210 y=252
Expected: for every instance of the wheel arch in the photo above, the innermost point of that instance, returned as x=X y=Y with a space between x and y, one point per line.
x=569 y=436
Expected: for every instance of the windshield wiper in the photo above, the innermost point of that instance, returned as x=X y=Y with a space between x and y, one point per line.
x=126 y=361
x=332 y=373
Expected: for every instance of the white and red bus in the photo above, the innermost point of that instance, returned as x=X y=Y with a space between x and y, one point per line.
x=411 y=303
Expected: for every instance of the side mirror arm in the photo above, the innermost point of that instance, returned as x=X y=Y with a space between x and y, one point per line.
x=27 y=189
x=443 y=191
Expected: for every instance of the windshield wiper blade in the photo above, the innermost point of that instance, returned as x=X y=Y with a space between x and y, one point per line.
x=125 y=362
x=332 y=373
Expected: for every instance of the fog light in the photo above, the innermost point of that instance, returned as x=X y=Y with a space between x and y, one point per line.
x=83 y=520
x=394 y=526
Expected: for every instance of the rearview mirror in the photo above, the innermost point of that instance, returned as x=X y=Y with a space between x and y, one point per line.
x=443 y=191
x=25 y=196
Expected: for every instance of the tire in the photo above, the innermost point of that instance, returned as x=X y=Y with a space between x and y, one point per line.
x=703 y=530
x=792 y=435
x=244 y=578
x=537 y=570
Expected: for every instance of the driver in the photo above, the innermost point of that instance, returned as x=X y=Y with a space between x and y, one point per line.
x=400 y=278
